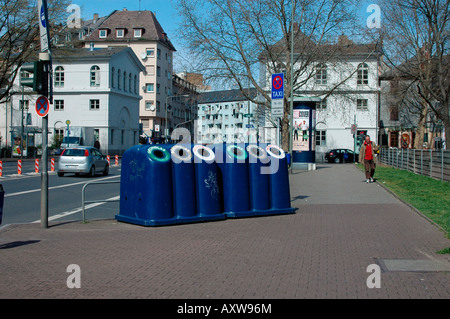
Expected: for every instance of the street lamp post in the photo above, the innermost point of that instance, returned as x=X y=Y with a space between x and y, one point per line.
x=166 y=128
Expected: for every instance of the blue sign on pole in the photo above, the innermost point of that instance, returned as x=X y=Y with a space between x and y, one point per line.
x=278 y=86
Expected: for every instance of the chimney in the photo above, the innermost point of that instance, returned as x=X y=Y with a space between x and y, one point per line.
x=124 y=9
x=344 y=40
x=95 y=17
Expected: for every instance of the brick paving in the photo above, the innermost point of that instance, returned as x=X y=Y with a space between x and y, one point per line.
x=342 y=225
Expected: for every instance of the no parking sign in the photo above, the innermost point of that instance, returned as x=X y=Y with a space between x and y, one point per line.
x=277 y=106
x=42 y=106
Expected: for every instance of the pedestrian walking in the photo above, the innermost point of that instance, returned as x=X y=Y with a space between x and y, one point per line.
x=97 y=144
x=367 y=157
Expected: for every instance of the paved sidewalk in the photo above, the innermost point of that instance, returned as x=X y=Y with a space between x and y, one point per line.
x=342 y=226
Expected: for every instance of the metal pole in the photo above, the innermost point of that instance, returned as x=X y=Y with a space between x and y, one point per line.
x=354 y=140
x=22 y=133
x=44 y=173
x=291 y=107
x=166 y=129
x=431 y=163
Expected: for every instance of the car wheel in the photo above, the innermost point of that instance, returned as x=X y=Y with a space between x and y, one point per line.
x=106 y=171
x=336 y=160
x=92 y=171
x=60 y=174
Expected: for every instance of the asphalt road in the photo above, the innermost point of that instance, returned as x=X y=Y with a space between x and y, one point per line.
x=22 y=200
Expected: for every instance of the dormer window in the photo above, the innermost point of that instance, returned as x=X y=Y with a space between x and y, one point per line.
x=120 y=33
x=103 y=33
x=137 y=33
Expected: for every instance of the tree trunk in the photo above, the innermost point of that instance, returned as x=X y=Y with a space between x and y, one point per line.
x=421 y=127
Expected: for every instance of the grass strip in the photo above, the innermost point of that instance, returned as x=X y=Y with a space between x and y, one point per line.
x=431 y=197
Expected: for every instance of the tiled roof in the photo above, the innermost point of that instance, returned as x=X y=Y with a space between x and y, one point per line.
x=225 y=96
x=130 y=20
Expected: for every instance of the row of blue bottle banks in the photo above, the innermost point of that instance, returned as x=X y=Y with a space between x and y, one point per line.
x=170 y=184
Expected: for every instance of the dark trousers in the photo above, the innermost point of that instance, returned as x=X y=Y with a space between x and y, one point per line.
x=369 y=166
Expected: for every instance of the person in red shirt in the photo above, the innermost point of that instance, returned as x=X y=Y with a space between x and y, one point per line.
x=367 y=157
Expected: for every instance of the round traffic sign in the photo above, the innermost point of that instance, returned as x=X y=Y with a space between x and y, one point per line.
x=277 y=82
x=42 y=106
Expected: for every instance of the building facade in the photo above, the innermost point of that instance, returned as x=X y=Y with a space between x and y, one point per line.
x=346 y=84
x=86 y=94
x=141 y=31
x=226 y=117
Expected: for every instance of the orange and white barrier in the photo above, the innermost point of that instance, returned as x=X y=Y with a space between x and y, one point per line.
x=36 y=165
x=19 y=167
x=52 y=164
x=117 y=160
x=108 y=159
x=1 y=168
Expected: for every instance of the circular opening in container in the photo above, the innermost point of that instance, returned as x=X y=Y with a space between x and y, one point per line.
x=158 y=154
x=181 y=153
x=256 y=151
x=275 y=151
x=236 y=152
x=203 y=152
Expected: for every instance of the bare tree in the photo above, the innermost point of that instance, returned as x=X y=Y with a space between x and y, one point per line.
x=19 y=35
x=236 y=37
x=416 y=46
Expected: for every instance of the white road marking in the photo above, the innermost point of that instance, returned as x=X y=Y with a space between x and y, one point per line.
x=56 y=187
x=76 y=210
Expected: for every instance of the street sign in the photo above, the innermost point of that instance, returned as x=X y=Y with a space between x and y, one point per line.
x=277 y=105
x=249 y=126
x=277 y=86
x=354 y=128
x=42 y=106
x=43 y=25
x=247 y=115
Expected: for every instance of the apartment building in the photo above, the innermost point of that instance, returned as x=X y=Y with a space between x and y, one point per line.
x=141 y=31
x=226 y=117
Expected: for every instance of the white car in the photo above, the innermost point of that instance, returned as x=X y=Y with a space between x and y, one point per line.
x=82 y=160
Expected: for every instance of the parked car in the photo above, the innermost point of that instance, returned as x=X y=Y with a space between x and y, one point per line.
x=82 y=160
x=341 y=155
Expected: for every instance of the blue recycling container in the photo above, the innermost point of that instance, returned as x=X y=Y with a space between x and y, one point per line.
x=233 y=164
x=259 y=178
x=2 y=197
x=183 y=180
x=146 y=191
x=208 y=187
x=280 y=197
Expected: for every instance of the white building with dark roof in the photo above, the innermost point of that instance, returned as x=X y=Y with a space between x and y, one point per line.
x=88 y=92
x=141 y=31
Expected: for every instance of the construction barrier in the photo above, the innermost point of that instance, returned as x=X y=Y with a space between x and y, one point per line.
x=1 y=168
x=36 y=165
x=108 y=159
x=117 y=160
x=52 y=164
x=19 y=167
